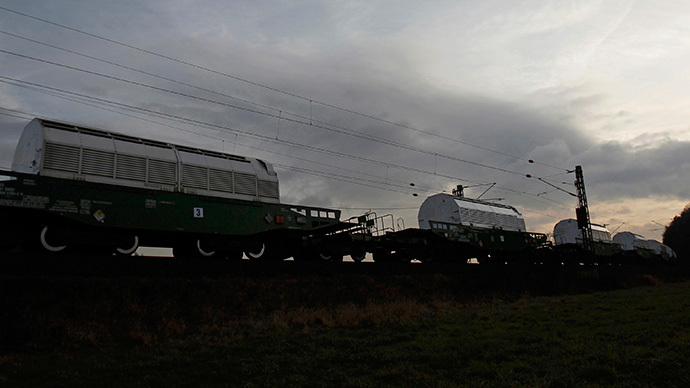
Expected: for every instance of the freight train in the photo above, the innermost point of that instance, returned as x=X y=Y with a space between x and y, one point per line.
x=74 y=188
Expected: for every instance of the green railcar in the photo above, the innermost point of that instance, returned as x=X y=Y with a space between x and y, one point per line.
x=487 y=231
x=453 y=228
x=494 y=245
x=72 y=186
x=55 y=213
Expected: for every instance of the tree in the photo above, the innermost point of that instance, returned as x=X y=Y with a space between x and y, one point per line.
x=677 y=234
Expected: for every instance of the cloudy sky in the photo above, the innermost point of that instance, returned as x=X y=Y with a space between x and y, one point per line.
x=353 y=101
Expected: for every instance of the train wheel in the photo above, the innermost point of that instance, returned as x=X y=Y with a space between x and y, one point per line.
x=193 y=249
x=268 y=252
x=127 y=247
x=257 y=252
x=49 y=242
x=203 y=252
x=358 y=257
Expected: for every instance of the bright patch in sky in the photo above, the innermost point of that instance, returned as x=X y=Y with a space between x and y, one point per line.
x=438 y=94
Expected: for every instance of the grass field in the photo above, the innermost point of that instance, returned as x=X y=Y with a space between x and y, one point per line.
x=354 y=330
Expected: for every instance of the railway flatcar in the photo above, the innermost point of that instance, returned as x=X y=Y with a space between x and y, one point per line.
x=73 y=187
x=623 y=248
x=567 y=232
x=638 y=249
x=568 y=243
x=457 y=229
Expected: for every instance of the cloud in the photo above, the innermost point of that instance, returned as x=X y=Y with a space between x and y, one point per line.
x=528 y=81
x=619 y=170
x=11 y=130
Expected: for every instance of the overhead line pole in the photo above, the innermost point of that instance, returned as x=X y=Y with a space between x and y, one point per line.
x=582 y=212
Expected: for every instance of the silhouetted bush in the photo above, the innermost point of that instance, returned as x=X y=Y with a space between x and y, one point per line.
x=677 y=235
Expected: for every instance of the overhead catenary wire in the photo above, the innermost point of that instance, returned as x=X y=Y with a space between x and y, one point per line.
x=317 y=102
x=141 y=84
x=219 y=127
x=15 y=113
x=186 y=84
x=12 y=115
x=74 y=95
x=390 y=182
x=264 y=86
x=346 y=110
x=130 y=68
x=342 y=178
x=54 y=91
x=331 y=128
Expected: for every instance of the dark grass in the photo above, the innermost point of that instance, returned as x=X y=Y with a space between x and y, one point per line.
x=523 y=328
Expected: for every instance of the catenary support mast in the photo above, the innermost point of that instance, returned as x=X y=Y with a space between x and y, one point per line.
x=582 y=212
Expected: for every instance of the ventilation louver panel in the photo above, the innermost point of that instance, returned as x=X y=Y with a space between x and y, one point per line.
x=268 y=189
x=95 y=162
x=220 y=180
x=245 y=183
x=61 y=157
x=131 y=167
x=485 y=218
x=163 y=172
x=194 y=177
x=512 y=222
x=465 y=215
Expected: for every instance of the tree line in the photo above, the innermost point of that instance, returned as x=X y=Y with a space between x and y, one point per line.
x=677 y=234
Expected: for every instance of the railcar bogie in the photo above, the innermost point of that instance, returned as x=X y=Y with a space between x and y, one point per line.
x=277 y=245
x=258 y=251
